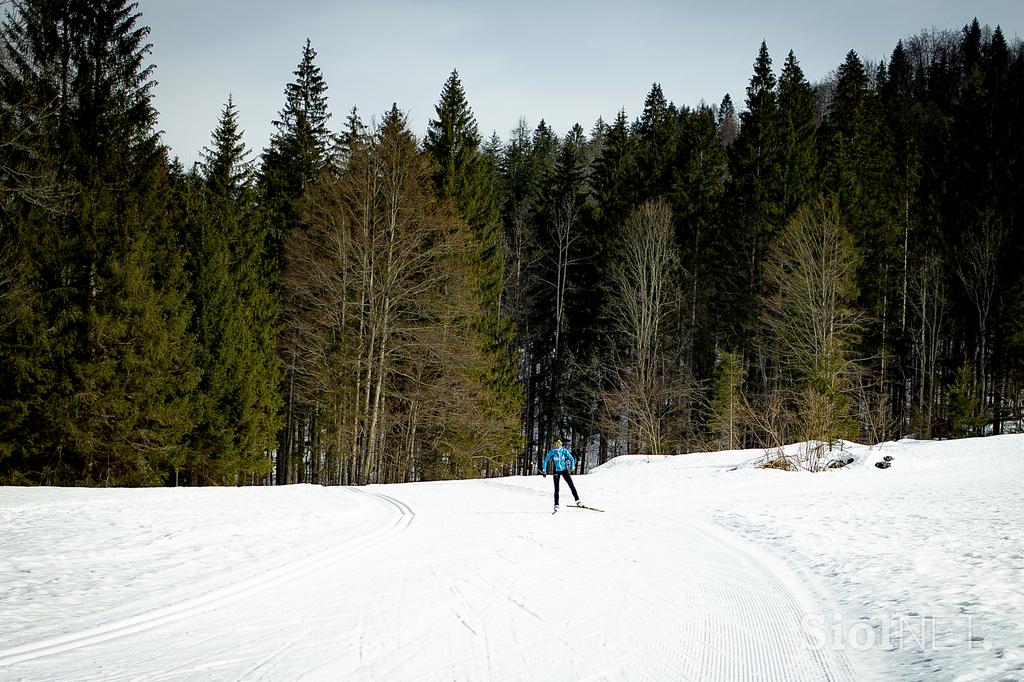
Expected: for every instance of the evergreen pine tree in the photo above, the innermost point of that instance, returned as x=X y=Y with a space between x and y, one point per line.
x=109 y=391
x=544 y=146
x=467 y=178
x=518 y=190
x=570 y=173
x=298 y=153
x=698 y=193
x=353 y=134
x=537 y=331
x=963 y=407
x=234 y=316
x=904 y=121
x=727 y=122
x=226 y=165
x=572 y=246
x=30 y=239
x=298 y=150
x=858 y=168
x=614 y=170
x=1011 y=333
x=614 y=194
x=727 y=400
x=798 y=137
x=754 y=196
x=980 y=214
x=655 y=139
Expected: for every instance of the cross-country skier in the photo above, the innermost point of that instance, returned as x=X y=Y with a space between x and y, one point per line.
x=564 y=463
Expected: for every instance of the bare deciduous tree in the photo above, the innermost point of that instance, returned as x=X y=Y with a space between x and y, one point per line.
x=811 y=277
x=379 y=296
x=928 y=298
x=978 y=269
x=647 y=391
x=565 y=233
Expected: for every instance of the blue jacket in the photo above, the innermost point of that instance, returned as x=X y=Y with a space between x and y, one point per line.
x=563 y=460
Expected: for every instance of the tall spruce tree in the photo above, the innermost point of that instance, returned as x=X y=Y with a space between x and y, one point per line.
x=227 y=166
x=903 y=119
x=28 y=239
x=467 y=178
x=572 y=245
x=727 y=122
x=755 y=196
x=1011 y=323
x=557 y=286
x=106 y=399
x=298 y=150
x=614 y=194
x=536 y=329
x=524 y=172
x=979 y=216
x=655 y=142
x=858 y=168
x=518 y=190
x=234 y=315
x=798 y=137
x=613 y=174
x=297 y=155
x=698 y=192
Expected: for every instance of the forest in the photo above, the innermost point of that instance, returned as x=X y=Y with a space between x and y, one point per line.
x=357 y=304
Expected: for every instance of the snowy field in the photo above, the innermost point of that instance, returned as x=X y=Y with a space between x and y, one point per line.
x=702 y=568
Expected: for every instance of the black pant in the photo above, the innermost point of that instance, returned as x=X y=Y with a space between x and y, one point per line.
x=568 y=479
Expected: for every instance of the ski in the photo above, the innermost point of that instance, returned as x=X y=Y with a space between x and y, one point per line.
x=577 y=506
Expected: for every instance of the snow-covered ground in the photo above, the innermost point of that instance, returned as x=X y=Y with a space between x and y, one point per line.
x=701 y=568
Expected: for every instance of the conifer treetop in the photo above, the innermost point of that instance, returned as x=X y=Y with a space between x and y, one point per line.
x=226 y=166
x=452 y=138
x=761 y=90
x=305 y=113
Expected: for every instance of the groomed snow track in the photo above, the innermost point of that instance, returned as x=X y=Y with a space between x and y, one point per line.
x=490 y=586
x=395 y=518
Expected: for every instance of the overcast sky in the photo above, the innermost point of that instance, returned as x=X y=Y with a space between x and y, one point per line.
x=565 y=62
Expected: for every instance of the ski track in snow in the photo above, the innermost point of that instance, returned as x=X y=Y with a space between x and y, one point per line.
x=383 y=528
